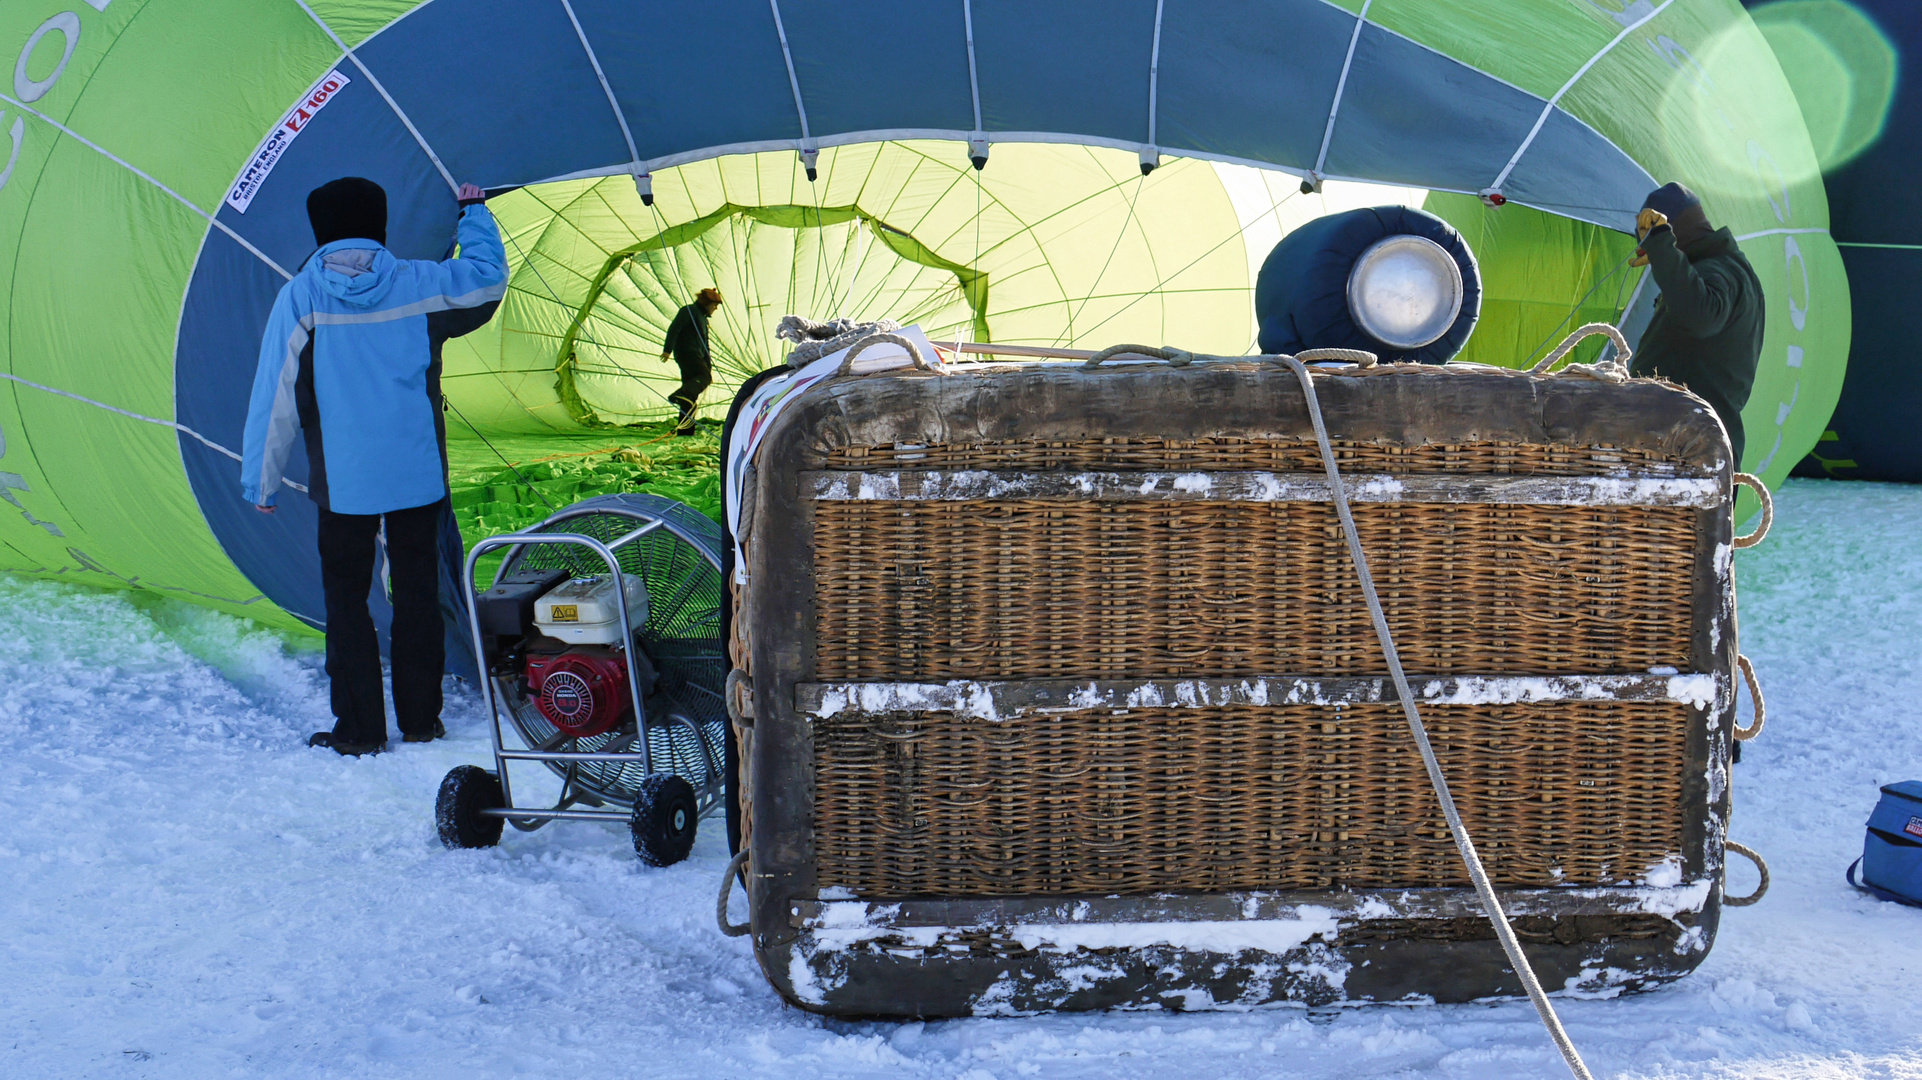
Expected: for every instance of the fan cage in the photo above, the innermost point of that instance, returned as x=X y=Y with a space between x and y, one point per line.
x=680 y=564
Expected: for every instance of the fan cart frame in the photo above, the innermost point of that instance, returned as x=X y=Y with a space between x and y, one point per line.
x=710 y=791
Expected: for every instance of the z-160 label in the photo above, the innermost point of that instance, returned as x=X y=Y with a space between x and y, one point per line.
x=277 y=141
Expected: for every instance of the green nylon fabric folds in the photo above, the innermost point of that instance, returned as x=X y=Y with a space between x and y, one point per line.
x=973 y=284
x=1066 y=245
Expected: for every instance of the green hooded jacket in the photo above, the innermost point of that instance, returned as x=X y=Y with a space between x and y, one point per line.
x=1707 y=329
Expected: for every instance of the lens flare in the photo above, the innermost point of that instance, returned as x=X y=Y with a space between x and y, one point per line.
x=1842 y=68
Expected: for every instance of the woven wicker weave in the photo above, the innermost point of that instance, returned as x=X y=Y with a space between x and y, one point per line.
x=1006 y=590
x=1302 y=797
x=946 y=574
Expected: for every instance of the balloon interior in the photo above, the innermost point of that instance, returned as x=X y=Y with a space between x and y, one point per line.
x=1038 y=181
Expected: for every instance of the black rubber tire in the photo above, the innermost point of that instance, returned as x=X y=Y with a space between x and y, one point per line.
x=664 y=819
x=464 y=793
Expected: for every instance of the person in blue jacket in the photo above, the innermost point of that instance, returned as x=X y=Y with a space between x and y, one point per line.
x=351 y=359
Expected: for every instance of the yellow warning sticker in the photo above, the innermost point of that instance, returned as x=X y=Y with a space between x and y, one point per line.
x=564 y=613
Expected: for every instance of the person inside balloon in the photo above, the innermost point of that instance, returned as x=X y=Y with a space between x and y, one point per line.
x=1707 y=330
x=351 y=358
x=686 y=345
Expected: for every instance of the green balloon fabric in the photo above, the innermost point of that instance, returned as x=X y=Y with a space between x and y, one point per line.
x=154 y=156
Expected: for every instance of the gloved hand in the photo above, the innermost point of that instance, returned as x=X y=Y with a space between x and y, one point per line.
x=1647 y=223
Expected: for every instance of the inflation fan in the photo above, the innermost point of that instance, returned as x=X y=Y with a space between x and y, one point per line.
x=600 y=641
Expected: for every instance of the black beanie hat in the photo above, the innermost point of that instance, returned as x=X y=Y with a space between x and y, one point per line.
x=1682 y=209
x=347 y=208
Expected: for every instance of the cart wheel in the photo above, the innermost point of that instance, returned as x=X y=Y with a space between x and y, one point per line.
x=664 y=818
x=464 y=793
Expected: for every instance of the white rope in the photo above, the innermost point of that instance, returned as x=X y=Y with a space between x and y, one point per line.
x=1549 y=106
x=1486 y=891
x=177 y=196
x=182 y=428
x=1328 y=133
x=1754 y=483
x=793 y=82
x=374 y=80
x=1614 y=369
x=620 y=115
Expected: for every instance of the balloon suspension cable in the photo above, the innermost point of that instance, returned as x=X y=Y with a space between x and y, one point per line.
x=580 y=333
x=1162 y=282
x=660 y=222
x=445 y=400
x=975 y=264
x=821 y=245
x=552 y=293
x=1120 y=235
x=1576 y=307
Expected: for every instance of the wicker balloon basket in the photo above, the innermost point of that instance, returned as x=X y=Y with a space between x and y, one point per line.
x=1056 y=688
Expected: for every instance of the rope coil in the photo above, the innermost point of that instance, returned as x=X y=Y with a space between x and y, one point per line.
x=736 y=868
x=1360 y=357
x=1614 y=370
x=883 y=338
x=1755 y=695
x=1761 y=867
x=738 y=694
x=1175 y=357
x=1754 y=483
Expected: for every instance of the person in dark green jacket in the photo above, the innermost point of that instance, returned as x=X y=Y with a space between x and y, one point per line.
x=686 y=343
x=1707 y=329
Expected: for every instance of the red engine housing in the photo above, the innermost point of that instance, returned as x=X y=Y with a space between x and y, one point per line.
x=582 y=691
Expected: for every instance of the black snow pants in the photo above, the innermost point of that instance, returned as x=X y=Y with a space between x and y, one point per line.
x=347 y=554
x=697 y=374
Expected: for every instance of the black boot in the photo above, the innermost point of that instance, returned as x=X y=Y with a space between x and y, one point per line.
x=437 y=731
x=345 y=749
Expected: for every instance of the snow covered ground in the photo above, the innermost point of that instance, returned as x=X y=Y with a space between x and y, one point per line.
x=186 y=891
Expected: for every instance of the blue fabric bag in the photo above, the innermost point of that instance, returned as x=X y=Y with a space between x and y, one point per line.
x=1891 y=859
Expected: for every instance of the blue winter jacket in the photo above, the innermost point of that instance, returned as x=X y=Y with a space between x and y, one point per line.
x=346 y=352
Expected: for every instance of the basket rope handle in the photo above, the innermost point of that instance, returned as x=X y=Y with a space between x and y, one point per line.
x=1176 y=357
x=1744 y=734
x=1761 y=867
x=914 y=351
x=738 y=694
x=1182 y=358
x=1588 y=330
x=736 y=868
x=1359 y=357
x=1754 y=483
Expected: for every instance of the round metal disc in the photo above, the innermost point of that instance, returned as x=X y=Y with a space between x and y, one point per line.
x=1405 y=291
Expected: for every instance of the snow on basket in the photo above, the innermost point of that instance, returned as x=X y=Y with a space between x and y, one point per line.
x=1057 y=689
